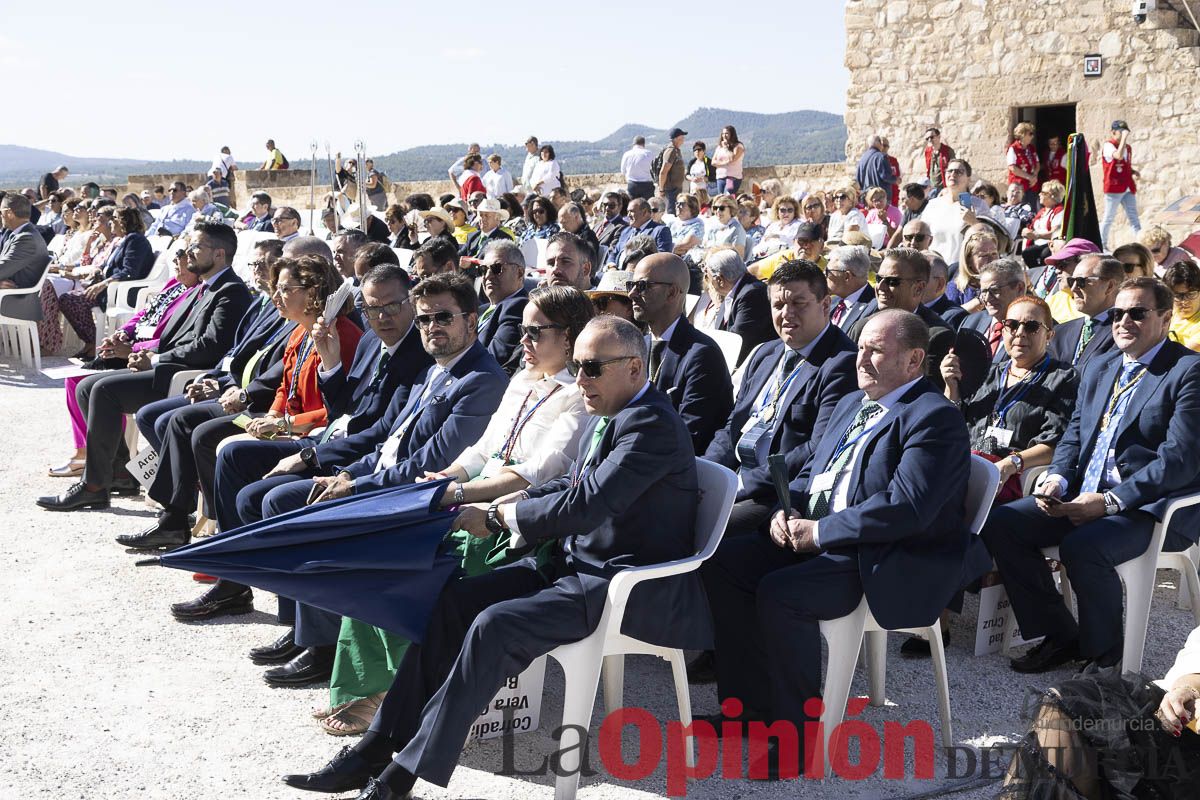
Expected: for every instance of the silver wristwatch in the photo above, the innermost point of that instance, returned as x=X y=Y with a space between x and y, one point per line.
x=243 y=398
x=459 y=495
x=1017 y=461
x=1111 y=505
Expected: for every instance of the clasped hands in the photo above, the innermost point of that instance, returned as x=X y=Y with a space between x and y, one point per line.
x=1178 y=708
x=1086 y=507
x=794 y=533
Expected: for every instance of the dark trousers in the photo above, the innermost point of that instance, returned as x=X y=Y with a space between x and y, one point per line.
x=749 y=516
x=1015 y=535
x=482 y=630
x=767 y=604
x=152 y=419
x=103 y=399
x=187 y=454
x=642 y=189
x=672 y=196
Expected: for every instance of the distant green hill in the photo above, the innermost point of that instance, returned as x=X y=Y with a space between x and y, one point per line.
x=794 y=137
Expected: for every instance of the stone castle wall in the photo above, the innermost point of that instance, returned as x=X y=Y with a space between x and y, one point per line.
x=967 y=65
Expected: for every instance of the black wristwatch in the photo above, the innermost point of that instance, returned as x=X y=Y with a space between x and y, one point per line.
x=309 y=456
x=494 y=525
x=244 y=398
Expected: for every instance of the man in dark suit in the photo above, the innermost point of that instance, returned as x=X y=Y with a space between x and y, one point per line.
x=354 y=401
x=1000 y=282
x=23 y=257
x=196 y=337
x=503 y=269
x=846 y=276
x=486 y=627
x=1093 y=283
x=789 y=390
x=609 y=231
x=641 y=223
x=878 y=511
x=745 y=309
x=685 y=365
x=935 y=291
x=1133 y=443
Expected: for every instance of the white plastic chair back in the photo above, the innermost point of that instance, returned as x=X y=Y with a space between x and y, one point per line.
x=981 y=490
x=730 y=344
x=405 y=256
x=529 y=250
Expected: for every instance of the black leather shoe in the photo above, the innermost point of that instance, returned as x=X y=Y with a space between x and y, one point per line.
x=313 y=665
x=348 y=770
x=212 y=604
x=74 y=498
x=1048 y=655
x=767 y=768
x=916 y=647
x=156 y=536
x=378 y=790
x=125 y=487
x=703 y=668
x=1110 y=659
x=280 y=651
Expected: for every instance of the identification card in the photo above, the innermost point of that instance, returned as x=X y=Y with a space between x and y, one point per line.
x=226 y=362
x=822 y=483
x=753 y=444
x=1002 y=436
x=144 y=331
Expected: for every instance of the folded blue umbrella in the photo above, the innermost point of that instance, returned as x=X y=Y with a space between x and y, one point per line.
x=376 y=557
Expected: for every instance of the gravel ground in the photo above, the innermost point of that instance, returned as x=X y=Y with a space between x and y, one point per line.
x=114 y=699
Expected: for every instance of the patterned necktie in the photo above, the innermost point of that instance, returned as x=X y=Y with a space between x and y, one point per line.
x=656 y=353
x=996 y=336
x=486 y=315
x=819 y=503
x=839 y=311
x=1085 y=336
x=1122 y=392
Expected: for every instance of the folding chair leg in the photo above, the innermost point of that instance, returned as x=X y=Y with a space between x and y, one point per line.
x=877 y=666
x=844 y=638
x=1138 y=596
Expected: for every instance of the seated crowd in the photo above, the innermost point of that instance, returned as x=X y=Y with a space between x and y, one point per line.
x=565 y=403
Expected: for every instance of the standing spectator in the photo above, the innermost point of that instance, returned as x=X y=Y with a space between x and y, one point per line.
x=497 y=180
x=50 y=182
x=1119 y=186
x=846 y=216
x=376 y=185
x=1157 y=240
x=547 y=174
x=472 y=176
x=1023 y=162
x=873 y=168
x=460 y=164
x=894 y=163
x=276 y=160
x=224 y=162
x=532 y=157
x=701 y=172
x=938 y=156
x=1055 y=166
x=728 y=159
x=671 y=173
x=218 y=187
x=635 y=166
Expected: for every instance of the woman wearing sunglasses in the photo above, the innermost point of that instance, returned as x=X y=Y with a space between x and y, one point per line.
x=845 y=217
x=1183 y=279
x=538 y=422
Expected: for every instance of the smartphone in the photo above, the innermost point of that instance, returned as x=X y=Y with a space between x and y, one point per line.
x=316 y=491
x=1049 y=500
x=965 y=199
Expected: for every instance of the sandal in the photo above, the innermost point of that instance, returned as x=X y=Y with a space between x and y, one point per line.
x=322 y=713
x=353 y=718
x=71 y=469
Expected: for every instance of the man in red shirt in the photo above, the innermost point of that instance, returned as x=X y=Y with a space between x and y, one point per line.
x=1119 y=187
x=937 y=156
x=1023 y=163
x=472 y=180
x=1055 y=166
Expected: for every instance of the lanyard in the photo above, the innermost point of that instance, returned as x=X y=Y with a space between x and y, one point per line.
x=1020 y=390
x=846 y=444
x=510 y=443
x=305 y=350
x=781 y=387
x=1120 y=393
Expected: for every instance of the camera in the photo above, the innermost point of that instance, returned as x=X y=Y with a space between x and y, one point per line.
x=1141 y=8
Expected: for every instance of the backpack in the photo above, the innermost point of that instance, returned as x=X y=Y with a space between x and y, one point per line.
x=285 y=164
x=657 y=164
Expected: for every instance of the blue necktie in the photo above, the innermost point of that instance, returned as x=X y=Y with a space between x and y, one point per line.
x=1117 y=403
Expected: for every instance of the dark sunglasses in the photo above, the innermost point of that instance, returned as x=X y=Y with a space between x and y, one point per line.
x=1081 y=283
x=492 y=269
x=915 y=237
x=1137 y=313
x=813 y=206
x=603 y=301
x=592 y=368
x=1030 y=326
x=441 y=318
x=379 y=312
x=893 y=281
x=643 y=285
x=535 y=331
x=840 y=196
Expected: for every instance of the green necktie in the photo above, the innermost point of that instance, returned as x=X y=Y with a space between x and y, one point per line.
x=485 y=315
x=596 y=436
x=819 y=503
x=1085 y=336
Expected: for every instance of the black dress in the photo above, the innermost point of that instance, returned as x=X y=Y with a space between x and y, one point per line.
x=1036 y=411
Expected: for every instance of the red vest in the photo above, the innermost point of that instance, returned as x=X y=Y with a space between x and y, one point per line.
x=1056 y=166
x=1027 y=160
x=1118 y=175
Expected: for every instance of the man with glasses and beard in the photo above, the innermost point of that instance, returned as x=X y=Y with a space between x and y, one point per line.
x=1131 y=447
x=609 y=231
x=503 y=272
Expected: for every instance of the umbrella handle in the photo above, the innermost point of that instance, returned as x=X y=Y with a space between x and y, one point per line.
x=148 y=562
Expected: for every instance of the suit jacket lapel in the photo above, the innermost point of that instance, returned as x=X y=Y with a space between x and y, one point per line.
x=1147 y=388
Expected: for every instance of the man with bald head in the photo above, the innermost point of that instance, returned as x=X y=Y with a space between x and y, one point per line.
x=685 y=364
x=877 y=512
x=598 y=522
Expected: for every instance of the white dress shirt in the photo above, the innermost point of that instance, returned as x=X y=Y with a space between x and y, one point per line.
x=439 y=378
x=1187 y=662
x=635 y=164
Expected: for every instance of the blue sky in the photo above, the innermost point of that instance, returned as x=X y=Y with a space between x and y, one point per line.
x=426 y=73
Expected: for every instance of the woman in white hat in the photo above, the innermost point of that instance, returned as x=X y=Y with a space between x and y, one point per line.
x=438 y=222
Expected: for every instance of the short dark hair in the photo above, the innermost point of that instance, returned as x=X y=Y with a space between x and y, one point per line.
x=547 y=148
x=222 y=235
x=803 y=271
x=261 y=197
x=582 y=248
x=421 y=201
x=441 y=251
x=463 y=291
x=914 y=190
x=131 y=218
x=354 y=236
x=544 y=203
x=374 y=254
x=966 y=164
x=910 y=260
x=387 y=271
x=18 y=204
x=287 y=212
x=271 y=248
x=1163 y=297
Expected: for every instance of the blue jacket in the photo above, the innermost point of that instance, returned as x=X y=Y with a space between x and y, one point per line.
x=454 y=416
x=749 y=314
x=905 y=509
x=825 y=377
x=356 y=392
x=656 y=230
x=693 y=373
x=874 y=170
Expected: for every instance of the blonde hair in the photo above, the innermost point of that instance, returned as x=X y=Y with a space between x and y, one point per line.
x=1056 y=189
x=874 y=192
x=967 y=274
x=1023 y=128
x=1155 y=235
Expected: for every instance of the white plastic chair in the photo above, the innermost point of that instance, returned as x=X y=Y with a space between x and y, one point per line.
x=689 y=304
x=1189 y=581
x=1029 y=479
x=581 y=661
x=20 y=336
x=405 y=256
x=529 y=250
x=126 y=297
x=730 y=344
x=844 y=636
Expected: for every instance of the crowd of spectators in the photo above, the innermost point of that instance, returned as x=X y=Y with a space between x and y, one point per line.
x=910 y=323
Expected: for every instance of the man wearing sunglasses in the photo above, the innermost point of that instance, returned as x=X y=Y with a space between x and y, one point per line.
x=1093 y=285
x=641 y=222
x=609 y=231
x=1001 y=282
x=503 y=269
x=1130 y=447
x=685 y=365
x=600 y=520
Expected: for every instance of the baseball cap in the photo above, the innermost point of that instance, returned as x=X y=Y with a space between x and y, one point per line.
x=1073 y=248
x=676 y=132
x=1120 y=125
x=808 y=232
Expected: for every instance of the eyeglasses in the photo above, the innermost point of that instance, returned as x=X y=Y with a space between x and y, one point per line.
x=894 y=281
x=441 y=318
x=277 y=220
x=1030 y=326
x=194 y=247
x=723 y=208
x=592 y=368
x=840 y=197
x=642 y=286
x=1185 y=297
x=283 y=288
x=257 y=264
x=535 y=331
x=605 y=300
x=993 y=292
x=1130 y=267
x=786 y=210
x=813 y=207
x=389 y=310
x=1137 y=313
x=915 y=237
x=1082 y=283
